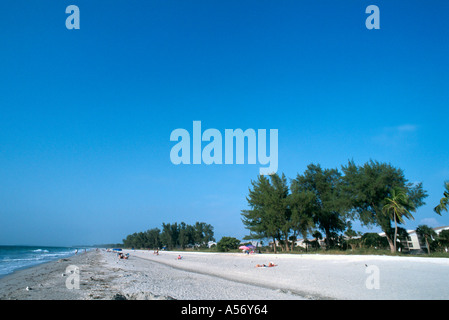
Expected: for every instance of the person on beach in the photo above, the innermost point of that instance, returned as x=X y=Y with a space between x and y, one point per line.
x=179 y=257
x=270 y=264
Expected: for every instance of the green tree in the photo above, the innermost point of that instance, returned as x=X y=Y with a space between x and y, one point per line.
x=227 y=244
x=147 y=239
x=185 y=236
x=444 y=202
x=203 y=233
x=153 y=238
x=169 y=235
x=301 y=204
x=255 y=218
x=367 y=187
x=268 y=214
x=374 y=240
x=443 y=238
x=279 y=208
x=329 y=206
x=398 y=207
x=426 y=233
x=172 y=235
x=349 y=232
x=128 y=242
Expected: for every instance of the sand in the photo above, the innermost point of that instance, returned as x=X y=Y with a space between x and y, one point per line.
x=231 y=276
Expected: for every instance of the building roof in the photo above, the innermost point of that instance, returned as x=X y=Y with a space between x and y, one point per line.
x=437 y=229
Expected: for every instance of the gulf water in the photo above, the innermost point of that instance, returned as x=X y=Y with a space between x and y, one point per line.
x=13 y=258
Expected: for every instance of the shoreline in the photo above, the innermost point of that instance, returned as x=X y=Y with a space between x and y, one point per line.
x=35 y=265
x=44 y=281
x=21 y=257
x=230 y=276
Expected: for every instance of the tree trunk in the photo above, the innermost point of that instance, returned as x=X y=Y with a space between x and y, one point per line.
x=390 y=243
x=287 y=249
x=395 y=232
x=427 y=245
x=274 y=245
x=295 y=236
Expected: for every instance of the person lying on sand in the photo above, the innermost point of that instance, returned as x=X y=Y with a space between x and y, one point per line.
x=271 y=264
x=122 y=256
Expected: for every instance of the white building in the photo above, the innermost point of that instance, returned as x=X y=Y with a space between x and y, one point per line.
x=211 y=243
x=414 y=243
x=301 y=243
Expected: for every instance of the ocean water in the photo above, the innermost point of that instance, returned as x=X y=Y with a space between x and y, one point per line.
x=13 y=258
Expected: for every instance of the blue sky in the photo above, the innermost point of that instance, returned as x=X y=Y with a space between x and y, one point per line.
x=86 y=115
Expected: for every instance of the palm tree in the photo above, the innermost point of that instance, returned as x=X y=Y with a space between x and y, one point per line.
x=444 y=202
x=397 y=207
x=426 y=232
x=443 y=238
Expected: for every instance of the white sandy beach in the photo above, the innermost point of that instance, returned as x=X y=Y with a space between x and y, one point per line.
x=232 y=276
x=320 y=276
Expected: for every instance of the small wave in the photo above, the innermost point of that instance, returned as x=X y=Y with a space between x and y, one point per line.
x=41 y=250
x=20 y=259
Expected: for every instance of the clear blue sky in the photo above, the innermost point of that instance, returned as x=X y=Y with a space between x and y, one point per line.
x=86 y=115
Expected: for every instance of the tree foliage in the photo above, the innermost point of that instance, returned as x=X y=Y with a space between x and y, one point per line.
x=172 y=235
x=374 y=240
x=269 y=212
x=427 y=233
x=227 y=244
x=444 y=202
x=280 y=212
x=375 y=193
x=328 y=206
x=367 y=187
x=148 y=239
x=397 y=207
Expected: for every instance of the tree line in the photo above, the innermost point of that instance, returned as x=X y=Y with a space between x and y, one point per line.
x=319 y=199
x=376 y=194
x=172 y=235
